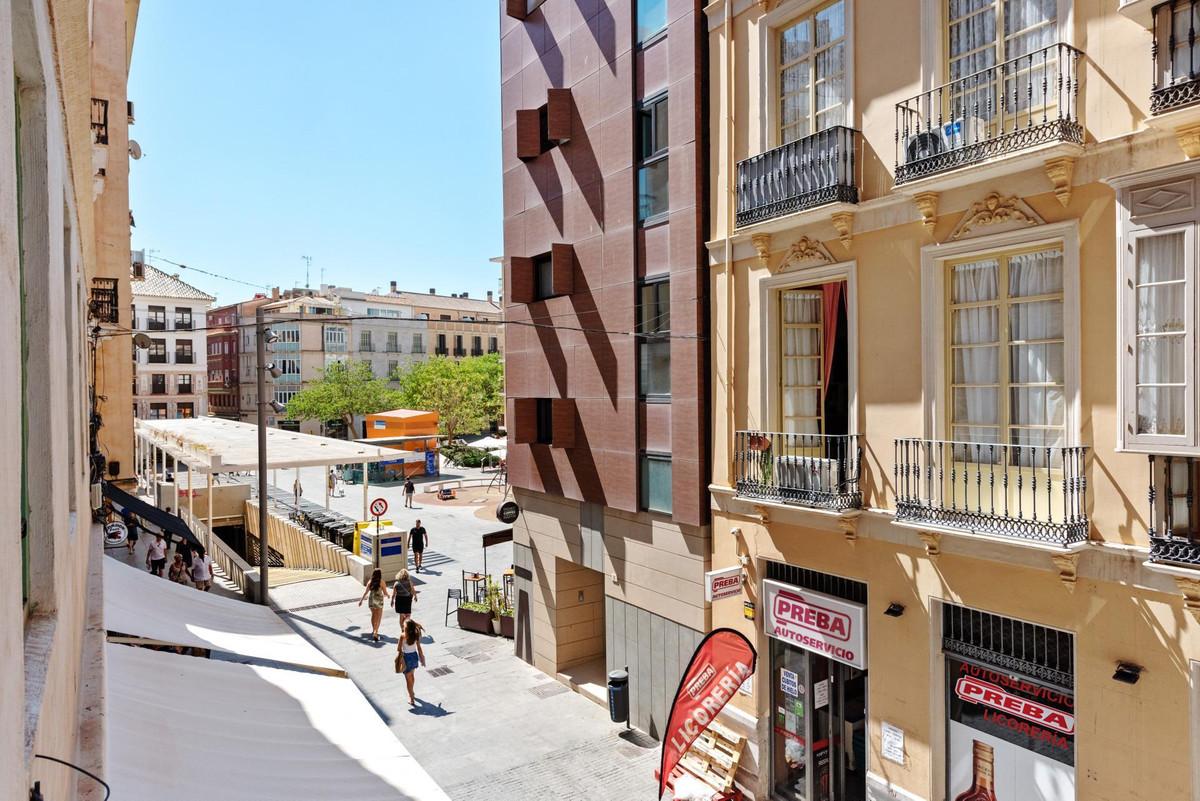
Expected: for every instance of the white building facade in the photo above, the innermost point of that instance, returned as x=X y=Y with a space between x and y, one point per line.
x=389 y=336
x=170 y=375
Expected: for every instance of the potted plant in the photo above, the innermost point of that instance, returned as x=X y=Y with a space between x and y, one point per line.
x=475 y=616
x=508 y=626
x=496 y=604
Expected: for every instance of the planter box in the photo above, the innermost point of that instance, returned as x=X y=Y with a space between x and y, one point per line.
x=470 y=620
x=508 y=627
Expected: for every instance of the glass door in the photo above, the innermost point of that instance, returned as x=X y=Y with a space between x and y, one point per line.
x=789 y=732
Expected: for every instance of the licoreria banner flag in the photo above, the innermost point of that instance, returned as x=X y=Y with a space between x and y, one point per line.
x=723 y=660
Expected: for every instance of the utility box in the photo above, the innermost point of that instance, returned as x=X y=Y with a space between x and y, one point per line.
x=618 y=696
x=386 y=549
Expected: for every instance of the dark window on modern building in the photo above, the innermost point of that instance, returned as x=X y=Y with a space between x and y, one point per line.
x=543 y=277
x=183 y=352
x=653 y=200
x=157 y=352
x=183 y=318
x=656 y=482
x=183 y=385
x=545 y=421
x=651 y=18
x=654 y=340
x=156 y=318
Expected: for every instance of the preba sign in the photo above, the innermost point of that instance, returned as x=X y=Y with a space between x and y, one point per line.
x=720 y=584
x=816 y=622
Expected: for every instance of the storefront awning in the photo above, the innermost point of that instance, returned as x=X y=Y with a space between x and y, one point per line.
x=161 y=519
x=145 y=607
x=191 y=729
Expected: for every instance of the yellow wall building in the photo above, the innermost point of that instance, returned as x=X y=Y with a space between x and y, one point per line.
x=953 y=250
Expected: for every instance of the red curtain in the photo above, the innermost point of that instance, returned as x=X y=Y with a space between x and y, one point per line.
x=831 y=303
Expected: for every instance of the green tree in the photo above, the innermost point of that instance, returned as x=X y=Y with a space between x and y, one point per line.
x=467 y=394
x=344 y=390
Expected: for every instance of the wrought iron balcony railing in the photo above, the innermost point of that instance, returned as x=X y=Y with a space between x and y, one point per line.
x=183 y=325
x=1023 y=491
x=808 y=172
x=366 y=347
x=1021 y=103
x=157 y=358
x=816 y=470
x=1174 y=527
x=460 y=351
x=441 y=352
x=184 y=358
x=1173 y=51
x=156 y=325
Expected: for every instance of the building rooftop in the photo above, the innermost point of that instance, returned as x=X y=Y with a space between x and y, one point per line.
x=402 y=414
x=427 y=300
x=157 y=284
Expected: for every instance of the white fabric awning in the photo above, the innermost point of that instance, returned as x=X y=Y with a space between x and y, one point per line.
x=212 y=444
x=191 y=729
x=142 y=605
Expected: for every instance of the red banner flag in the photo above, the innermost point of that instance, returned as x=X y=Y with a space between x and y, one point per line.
x=723 y=660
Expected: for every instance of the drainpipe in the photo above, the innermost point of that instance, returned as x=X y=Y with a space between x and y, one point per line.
x=730 y=313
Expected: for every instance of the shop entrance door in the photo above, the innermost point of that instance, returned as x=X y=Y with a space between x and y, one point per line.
x=819 y=732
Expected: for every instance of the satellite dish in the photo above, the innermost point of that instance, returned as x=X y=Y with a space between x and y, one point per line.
x=135 y=150
x=142 y=341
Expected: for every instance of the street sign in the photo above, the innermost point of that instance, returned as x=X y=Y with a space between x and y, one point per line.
x=379 y=507
x=507 y=512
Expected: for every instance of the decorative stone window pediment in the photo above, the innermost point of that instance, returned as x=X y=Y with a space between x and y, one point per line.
x=995 y=213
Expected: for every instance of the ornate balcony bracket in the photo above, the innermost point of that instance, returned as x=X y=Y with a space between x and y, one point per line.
x=762 y=246
x=849 y=527
x=843 y=221
x=932 y=541
x=1060 y=171
x=1066 y=564
x=1188 y=137
x=762 y=513
x=927 y=206
x=1190 y=589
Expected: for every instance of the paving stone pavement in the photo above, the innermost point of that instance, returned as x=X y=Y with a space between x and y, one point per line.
x=492 y=727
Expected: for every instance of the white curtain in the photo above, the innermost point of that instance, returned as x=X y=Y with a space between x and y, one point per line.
x=801 y=384
x=1035 y=329
x=1162 y=334
x=975 y=344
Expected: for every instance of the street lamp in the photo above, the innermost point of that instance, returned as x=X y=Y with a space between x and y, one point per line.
x=263 y=336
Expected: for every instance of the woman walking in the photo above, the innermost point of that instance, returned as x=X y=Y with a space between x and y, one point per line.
x=411 y=654
x=202 y=572
x=178 y=570
x=375 y=594
x=404 y=593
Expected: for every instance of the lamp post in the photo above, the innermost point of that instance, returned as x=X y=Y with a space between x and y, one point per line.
x=261 y=354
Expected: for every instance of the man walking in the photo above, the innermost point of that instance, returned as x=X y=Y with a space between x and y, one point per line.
x=156 y=554
x=417 y=539
x=409 y=489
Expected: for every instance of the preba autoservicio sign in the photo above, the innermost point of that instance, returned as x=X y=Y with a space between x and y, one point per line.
x=723 y=660
x=816 y=622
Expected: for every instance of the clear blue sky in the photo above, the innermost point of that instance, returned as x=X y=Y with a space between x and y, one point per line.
x=365 y=134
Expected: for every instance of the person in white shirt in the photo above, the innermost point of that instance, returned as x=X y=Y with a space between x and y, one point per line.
x=156 y=554
x=202 y=572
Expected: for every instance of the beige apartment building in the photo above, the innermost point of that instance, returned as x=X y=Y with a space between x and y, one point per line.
x=953 y=254
x=458 y=325
x=112 y=115
x=54 y=56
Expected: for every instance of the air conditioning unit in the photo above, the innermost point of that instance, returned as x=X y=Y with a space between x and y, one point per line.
x=808 y=474
x=138 y=265
x=953 y=135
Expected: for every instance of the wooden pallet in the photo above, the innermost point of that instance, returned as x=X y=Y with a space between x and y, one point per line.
x=713 y=758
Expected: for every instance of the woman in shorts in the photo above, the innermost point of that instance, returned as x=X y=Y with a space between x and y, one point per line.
x=376 y=593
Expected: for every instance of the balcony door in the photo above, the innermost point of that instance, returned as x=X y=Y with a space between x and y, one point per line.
x=981 y=35
x=812 y=61
x=813 y=369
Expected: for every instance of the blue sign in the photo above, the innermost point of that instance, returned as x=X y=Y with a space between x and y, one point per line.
x=431 y=463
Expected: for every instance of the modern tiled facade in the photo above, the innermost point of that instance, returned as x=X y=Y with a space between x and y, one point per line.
x=954 y=453
x=605 y=307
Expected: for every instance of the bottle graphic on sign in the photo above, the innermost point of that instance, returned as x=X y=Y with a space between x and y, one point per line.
x=983 y=785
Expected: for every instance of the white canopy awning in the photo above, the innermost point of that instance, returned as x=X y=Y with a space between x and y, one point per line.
x=212 y=444
x=141 y=605
x=191 y=729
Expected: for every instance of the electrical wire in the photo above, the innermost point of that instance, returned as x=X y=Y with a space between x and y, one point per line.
x=88 y=773
x=205 y=272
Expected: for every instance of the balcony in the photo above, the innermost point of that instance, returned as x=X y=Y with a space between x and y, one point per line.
x=366 y=347
x=476 y=351
x=803 y=174
x=156 y=325
x=1017 y=105
x=820 y=471
x=158 y=389
x=391 y=347
x=493 y=350
x=441 y=352
x=102 y=303
x=156 y=358
x=1174 y=527
x=1175 y=56
x=184 y=358
x=1032 y=493
x=183 y=324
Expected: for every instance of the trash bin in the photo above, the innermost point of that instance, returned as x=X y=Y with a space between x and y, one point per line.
x=618 y=696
